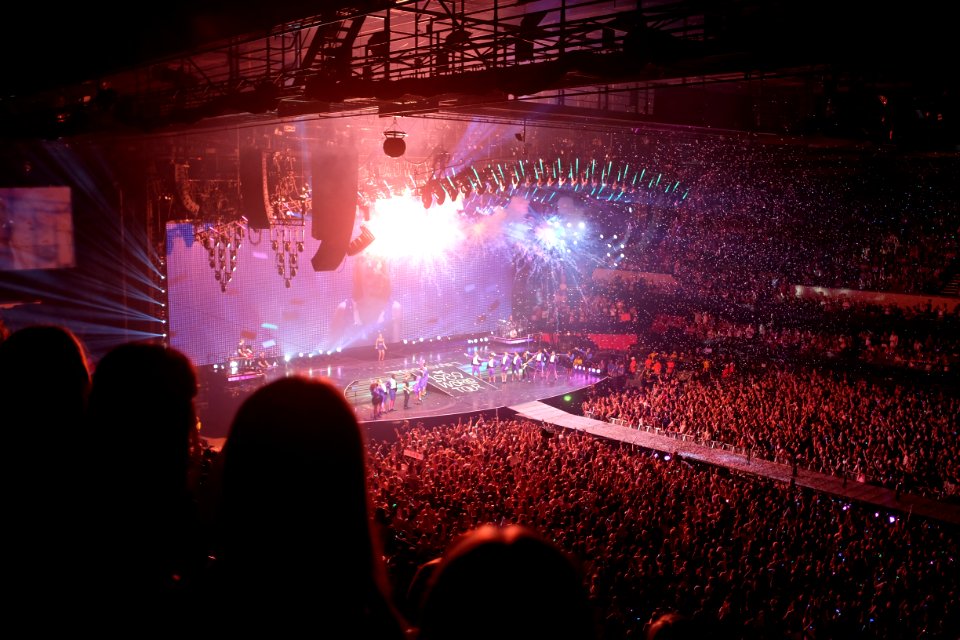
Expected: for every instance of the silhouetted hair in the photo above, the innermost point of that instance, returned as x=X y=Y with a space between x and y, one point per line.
x=142 y=406
x=44 y=380
x=142 y=423
x=44 y=370
x=506 y=583
x=293 y=525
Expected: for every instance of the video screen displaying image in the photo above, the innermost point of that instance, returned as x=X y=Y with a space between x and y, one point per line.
x=407 y=288
x=36 y=228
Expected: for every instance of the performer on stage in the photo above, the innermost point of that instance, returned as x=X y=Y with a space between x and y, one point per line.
x=245 y=354
x=475 y=364
x=422 y=382
x=381 y=346
x=504 y=366
x=492 y=367
x=526 y=366
x=541 y=363
x=512 y=328
x=376 y=397
x=516 y=366
x=405 y=390
x=391 y=391
x=552 y=365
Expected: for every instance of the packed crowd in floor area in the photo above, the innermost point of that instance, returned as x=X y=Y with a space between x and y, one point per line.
x=441 y=531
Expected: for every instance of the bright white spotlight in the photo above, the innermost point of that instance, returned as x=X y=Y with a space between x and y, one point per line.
x=404 y=229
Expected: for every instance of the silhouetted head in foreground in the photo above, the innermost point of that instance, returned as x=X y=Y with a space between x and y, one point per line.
x=44 y=380
x=142 y=425
x=294 y=531
x=506 y=583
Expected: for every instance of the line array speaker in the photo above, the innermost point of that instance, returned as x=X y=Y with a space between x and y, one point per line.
x=334 y=204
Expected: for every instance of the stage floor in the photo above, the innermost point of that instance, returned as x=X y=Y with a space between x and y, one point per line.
x=448 y=363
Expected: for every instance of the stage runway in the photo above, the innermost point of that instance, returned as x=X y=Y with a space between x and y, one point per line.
x=451 y=392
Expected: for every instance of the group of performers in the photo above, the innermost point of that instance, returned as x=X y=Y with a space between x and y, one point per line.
x=247 y=361
x=528 y=366
x=384 y=391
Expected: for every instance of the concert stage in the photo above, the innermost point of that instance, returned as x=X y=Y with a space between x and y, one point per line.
x=452 y=390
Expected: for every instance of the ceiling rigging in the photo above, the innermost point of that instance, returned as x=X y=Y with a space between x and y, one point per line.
x=780 y=67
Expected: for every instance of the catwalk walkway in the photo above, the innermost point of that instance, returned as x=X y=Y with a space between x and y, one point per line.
x=854 y=491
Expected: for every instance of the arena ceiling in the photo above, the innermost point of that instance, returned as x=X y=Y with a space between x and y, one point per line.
x=849 y=72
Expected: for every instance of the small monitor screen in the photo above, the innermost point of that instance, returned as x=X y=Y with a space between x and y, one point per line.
x=36 y=228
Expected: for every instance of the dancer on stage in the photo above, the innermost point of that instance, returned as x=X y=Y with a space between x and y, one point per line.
x=376 y=397
x=381 y=346
x=245 y=354
x=540 y=363
x=405 y=390
x=504 y=366
x=527 y=366
x=391 y=391
x=516 y=366
x=552 y=365
x=421 y=388
x=492 y=368
x=475 y=364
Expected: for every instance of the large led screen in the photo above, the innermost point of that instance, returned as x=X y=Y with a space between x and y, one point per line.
x=414 y=294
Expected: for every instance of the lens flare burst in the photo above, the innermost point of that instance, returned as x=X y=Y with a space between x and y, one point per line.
x=406 y=231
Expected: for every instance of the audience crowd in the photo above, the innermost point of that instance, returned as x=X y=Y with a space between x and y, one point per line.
x=302 y=516
x=749 y=225
x=900 y=436
x=741 y=557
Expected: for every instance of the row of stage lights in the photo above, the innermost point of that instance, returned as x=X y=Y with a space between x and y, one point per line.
x=606 y=182
x=233 y=364
x=594 y=370
x=160 y=285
